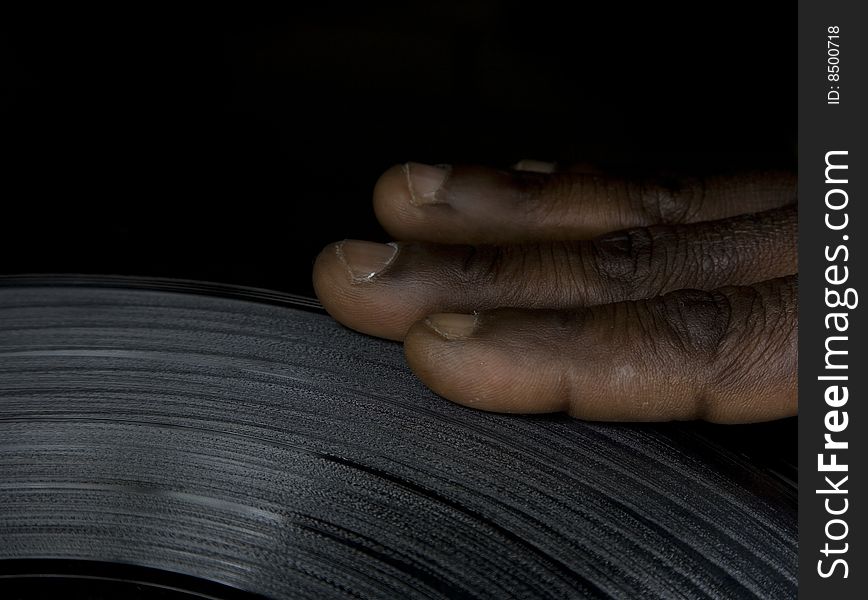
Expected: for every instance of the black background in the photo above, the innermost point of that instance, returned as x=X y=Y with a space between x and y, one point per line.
x=232 y=145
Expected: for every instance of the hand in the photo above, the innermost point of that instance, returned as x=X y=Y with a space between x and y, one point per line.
x=511 y=293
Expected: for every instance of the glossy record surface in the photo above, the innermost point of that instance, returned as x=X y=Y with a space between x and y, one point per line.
x=269 y=449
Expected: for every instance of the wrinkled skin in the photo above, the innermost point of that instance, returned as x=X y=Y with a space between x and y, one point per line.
x=538 y=291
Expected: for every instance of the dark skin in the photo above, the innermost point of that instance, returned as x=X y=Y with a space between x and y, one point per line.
x=533 y=291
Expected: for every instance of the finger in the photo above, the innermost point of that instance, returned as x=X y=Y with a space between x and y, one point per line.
x=467 y=205
x=383 y=289
x=727 y=356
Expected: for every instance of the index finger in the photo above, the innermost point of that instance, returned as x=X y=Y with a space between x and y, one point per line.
x=467 y=205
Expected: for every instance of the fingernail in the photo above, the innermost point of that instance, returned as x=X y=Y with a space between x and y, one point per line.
x=424 y=182
x=535 y=166
x=452 y=326
x=365 y=259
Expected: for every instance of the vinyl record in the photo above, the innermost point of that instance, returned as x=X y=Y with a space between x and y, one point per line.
x=204 y=442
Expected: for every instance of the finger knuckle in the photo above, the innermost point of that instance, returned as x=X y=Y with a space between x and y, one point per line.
x=636 y=263
x=696 y=322
x=692 y=327
x=666 y=200
x=531 y=274
x=481 y=265
x=767 y=321
x=760 y=343
x=500 y=275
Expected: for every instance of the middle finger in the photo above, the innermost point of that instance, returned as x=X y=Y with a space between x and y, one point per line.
x=383 y=289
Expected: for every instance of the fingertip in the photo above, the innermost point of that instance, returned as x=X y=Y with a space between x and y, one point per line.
x=443 y=365
x=324 y=272
x=359 y=302
x=393 y=205
x=330 y=282
x=454 y=205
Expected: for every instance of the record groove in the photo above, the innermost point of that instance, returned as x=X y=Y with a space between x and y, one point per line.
x=269 y=449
